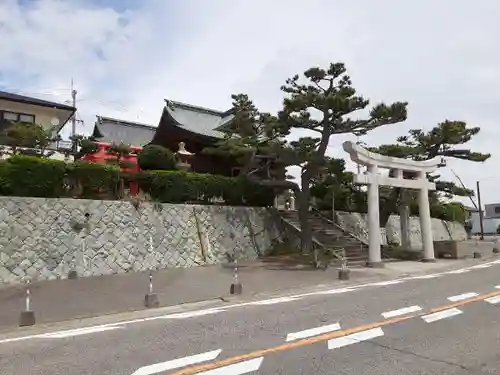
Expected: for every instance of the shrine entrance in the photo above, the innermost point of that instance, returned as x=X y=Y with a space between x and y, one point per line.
x=373 y=179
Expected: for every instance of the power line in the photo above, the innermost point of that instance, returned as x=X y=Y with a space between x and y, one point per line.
x=463 y=185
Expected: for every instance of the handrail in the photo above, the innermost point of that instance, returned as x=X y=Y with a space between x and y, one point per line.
x=324 y=217
x=296 y=229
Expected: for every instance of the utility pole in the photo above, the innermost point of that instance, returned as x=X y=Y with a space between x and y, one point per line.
x=73 y=119
x=357 y=164
x=480 y=211
x=333 y=205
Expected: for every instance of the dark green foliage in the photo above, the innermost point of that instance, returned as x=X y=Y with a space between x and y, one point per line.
x=93 y=180
x=29 y=176
x=179 y=187
x=156 y=158
x=88 y=146
x=83 y=145
x=323 y=102
x=444 y=140
x=452 y=211
x=120 y=151
x=337 y=181
x=26 y=138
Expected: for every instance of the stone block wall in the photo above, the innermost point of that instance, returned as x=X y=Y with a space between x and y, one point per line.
x=357 y=224
x=38 y=240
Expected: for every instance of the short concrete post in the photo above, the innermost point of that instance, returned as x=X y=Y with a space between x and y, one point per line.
x=236 y=287
x=151 y=298
x=72 y=274
x=344 y=272
x=27 y=317
x=292 y=200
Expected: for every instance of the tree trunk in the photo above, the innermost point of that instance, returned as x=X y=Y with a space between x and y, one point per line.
x=389 y=206
x=307 y=246
x=305 y=225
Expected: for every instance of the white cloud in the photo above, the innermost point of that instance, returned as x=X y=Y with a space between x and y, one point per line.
x=440 y=56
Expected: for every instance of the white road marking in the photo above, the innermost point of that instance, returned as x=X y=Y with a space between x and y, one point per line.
x=191 y=314
x=335 y=291
x=179 y=362
x=77 y=332
x=294 y=297
x=461 y=297
x=463 y=270
x=384 y=283
x=274 y=301
x=312 y=332
x=431 y=276
x=355 y=338
x=493 y=300
x=441 y=315
x=402 y=311
x=486 y=265
x=238 y=368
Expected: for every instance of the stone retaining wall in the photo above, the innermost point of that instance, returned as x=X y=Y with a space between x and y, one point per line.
x=37 y=239
x=357 y=224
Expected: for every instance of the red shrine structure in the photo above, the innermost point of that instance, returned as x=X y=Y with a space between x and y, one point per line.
x=102 y=155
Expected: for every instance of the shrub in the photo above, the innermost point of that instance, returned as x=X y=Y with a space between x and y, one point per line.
x=155 y=157
x=179 y=186
x=30 y=176
x=94 y=180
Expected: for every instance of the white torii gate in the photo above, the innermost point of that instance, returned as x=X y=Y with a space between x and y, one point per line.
x=373 y=179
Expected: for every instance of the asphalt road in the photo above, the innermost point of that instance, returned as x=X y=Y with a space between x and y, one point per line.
x=450 y=325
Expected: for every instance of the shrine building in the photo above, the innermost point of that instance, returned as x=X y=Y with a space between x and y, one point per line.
x=183 y=128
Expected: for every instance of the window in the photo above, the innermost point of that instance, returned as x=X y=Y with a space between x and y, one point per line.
x=497 y=209
x=17 y=117
x=27 y=118
x=9 y=116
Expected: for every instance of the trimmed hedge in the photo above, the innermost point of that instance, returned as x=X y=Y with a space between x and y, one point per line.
x=29 y=176
x=178 y=187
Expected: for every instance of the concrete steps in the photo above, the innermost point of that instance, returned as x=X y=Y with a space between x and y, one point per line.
x=331 y=236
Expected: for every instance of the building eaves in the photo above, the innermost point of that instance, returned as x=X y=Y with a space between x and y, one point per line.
x=200 y=120
x=113 y=130
x=8 y=96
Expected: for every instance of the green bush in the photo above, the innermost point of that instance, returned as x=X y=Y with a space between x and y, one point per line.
x=179 y=187
x=29 y=176
x=94 y=180
x=155 y=157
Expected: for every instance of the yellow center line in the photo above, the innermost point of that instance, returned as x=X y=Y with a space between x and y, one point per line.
x=324 y=337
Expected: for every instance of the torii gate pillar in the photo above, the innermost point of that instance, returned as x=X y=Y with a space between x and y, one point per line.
x=373 y=179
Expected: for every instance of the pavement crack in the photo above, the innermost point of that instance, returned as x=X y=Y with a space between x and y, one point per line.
x=421 y=356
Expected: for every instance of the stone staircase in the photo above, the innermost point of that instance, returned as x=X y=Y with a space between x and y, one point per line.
x=329 y=235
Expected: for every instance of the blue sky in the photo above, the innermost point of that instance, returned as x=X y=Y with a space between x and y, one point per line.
x=127 y=56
